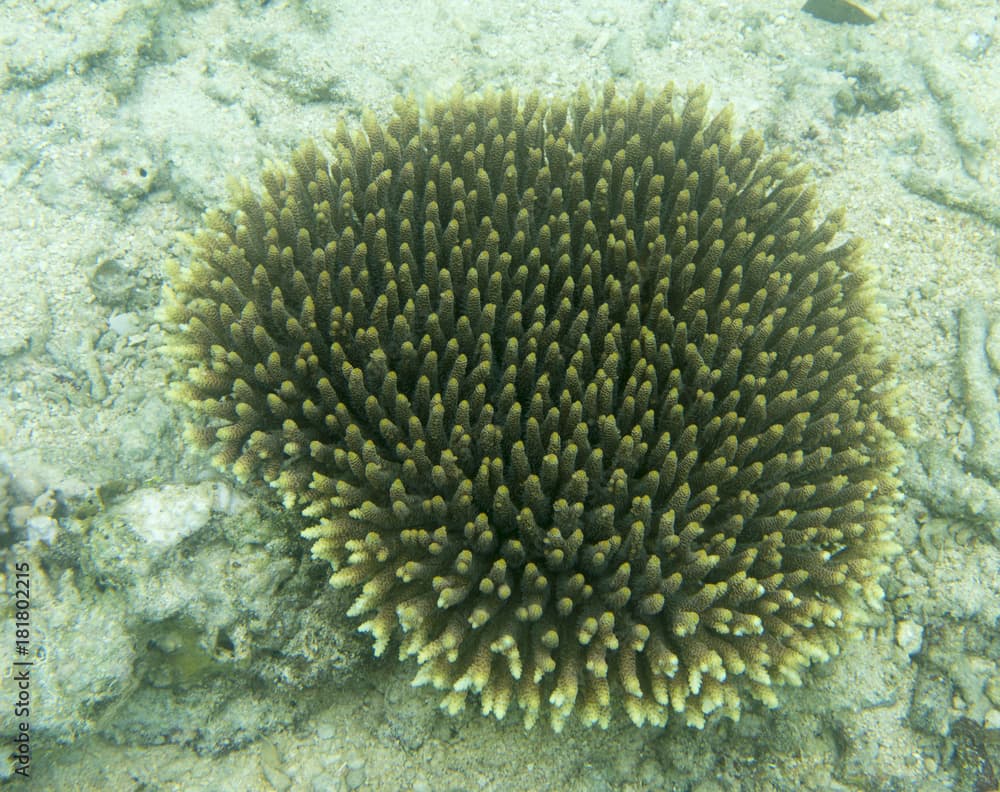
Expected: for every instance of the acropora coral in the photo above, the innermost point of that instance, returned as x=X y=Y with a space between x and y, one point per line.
x=581 y=398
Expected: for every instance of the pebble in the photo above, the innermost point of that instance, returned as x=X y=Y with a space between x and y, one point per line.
x=270 y=763
x=651 y=774
x=27 y=485
x=909 y=637
x=46 y=503
x=325 y=731
x=661 y=23
x=332 y=761
x=228 y=500
x=356 y=763
x=620 y=55
x=602 y=16
x=276 y=778
x=268 y=753
x=975 y=44
x=20 y=515
x=993 y=690
x=599 y=43
x=355 y=777
x=993 y=346
x=89 y=365
x=324 y=782
x=111 y=283
x=41 y=529
x=124 y=324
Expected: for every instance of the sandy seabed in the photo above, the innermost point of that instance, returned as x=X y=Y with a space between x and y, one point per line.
x=120 y=123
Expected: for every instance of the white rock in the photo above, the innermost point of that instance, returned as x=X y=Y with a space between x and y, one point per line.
x=227 y=500
x=124 y=324
x=165 y=516
x=41 y=528
x=909 y=636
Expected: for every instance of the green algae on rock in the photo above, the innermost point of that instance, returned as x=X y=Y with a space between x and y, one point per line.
x=580 y=397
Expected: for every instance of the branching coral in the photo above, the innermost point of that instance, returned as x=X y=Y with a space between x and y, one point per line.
x=579 y=396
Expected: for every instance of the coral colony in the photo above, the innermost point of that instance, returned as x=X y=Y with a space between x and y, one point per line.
x=581 y=398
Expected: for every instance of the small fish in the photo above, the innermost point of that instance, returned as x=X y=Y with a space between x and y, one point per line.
x=840 y=11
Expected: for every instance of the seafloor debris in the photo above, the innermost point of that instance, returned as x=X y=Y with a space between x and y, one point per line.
x=968 y=127
x=969 y=489
x=976 y=773
x=948 y=192
x=867 y=91
x=840 y=11
x=973 y=139
x=939 y=481
x=979 y=392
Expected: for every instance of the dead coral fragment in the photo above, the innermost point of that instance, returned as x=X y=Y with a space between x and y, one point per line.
x=580 y=396
x=979 y=391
